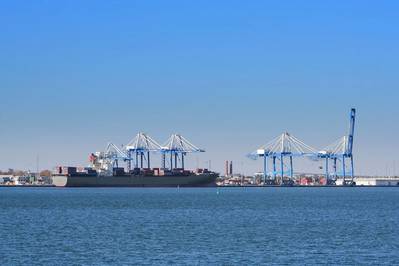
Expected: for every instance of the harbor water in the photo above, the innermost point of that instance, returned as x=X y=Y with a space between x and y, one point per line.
x=199 y=226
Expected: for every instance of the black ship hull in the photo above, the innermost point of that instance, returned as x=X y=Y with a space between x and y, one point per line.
x=193 y=180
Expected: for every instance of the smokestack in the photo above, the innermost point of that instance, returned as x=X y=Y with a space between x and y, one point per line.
x=231 y=168
x=226 y=172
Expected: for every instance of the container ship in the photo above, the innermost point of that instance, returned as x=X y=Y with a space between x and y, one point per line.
x=71 y=177
x=105 y=170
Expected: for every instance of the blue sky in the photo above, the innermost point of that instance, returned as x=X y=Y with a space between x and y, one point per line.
x=228 y=75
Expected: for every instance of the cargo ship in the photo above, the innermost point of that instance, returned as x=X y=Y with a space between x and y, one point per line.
x=104 y=170
x=71 y=177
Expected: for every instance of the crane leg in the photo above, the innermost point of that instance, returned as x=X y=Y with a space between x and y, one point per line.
x=171 y=161
x=327 y=174
x=352 y=169
x=291 y=169
x=335 y=168
x=163 y=161
x=264 y=167
x=343 y=169
x=282 y=168
x=274 y=168
x=129 y=162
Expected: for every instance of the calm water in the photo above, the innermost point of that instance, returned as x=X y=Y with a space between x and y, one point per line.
x=199 y=226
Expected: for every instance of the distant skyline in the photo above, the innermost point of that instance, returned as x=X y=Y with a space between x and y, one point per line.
x=227 y=75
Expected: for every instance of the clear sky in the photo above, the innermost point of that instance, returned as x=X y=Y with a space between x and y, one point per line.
x=228 y=75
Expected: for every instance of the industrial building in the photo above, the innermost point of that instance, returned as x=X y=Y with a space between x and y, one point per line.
x=373 y=181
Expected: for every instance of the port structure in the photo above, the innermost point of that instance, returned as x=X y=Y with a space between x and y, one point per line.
x=340 y=151
x=111 y=156
x=287 y=145
x=114 y=154
x=281 y=147
x=177 y=147
x=139 y=149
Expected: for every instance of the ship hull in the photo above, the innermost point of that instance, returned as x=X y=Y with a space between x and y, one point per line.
x=200 y=180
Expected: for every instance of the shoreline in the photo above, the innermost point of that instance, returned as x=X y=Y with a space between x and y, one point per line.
x=268 y=186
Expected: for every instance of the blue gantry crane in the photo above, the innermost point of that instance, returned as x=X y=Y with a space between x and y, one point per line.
x=340 y=151
x=177 y=147
x=285 y=145
x=289 y=146
x=138 y=151
x=141 y=146
x=113 y=155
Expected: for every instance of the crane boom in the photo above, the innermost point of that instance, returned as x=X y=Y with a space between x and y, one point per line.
x=351 y=132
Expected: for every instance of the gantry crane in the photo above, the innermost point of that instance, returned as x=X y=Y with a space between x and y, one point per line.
x=341 y=150
x=141 y=146
x=105 y=161
x=287 y=145
x=282 y=146
x=177 y=147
